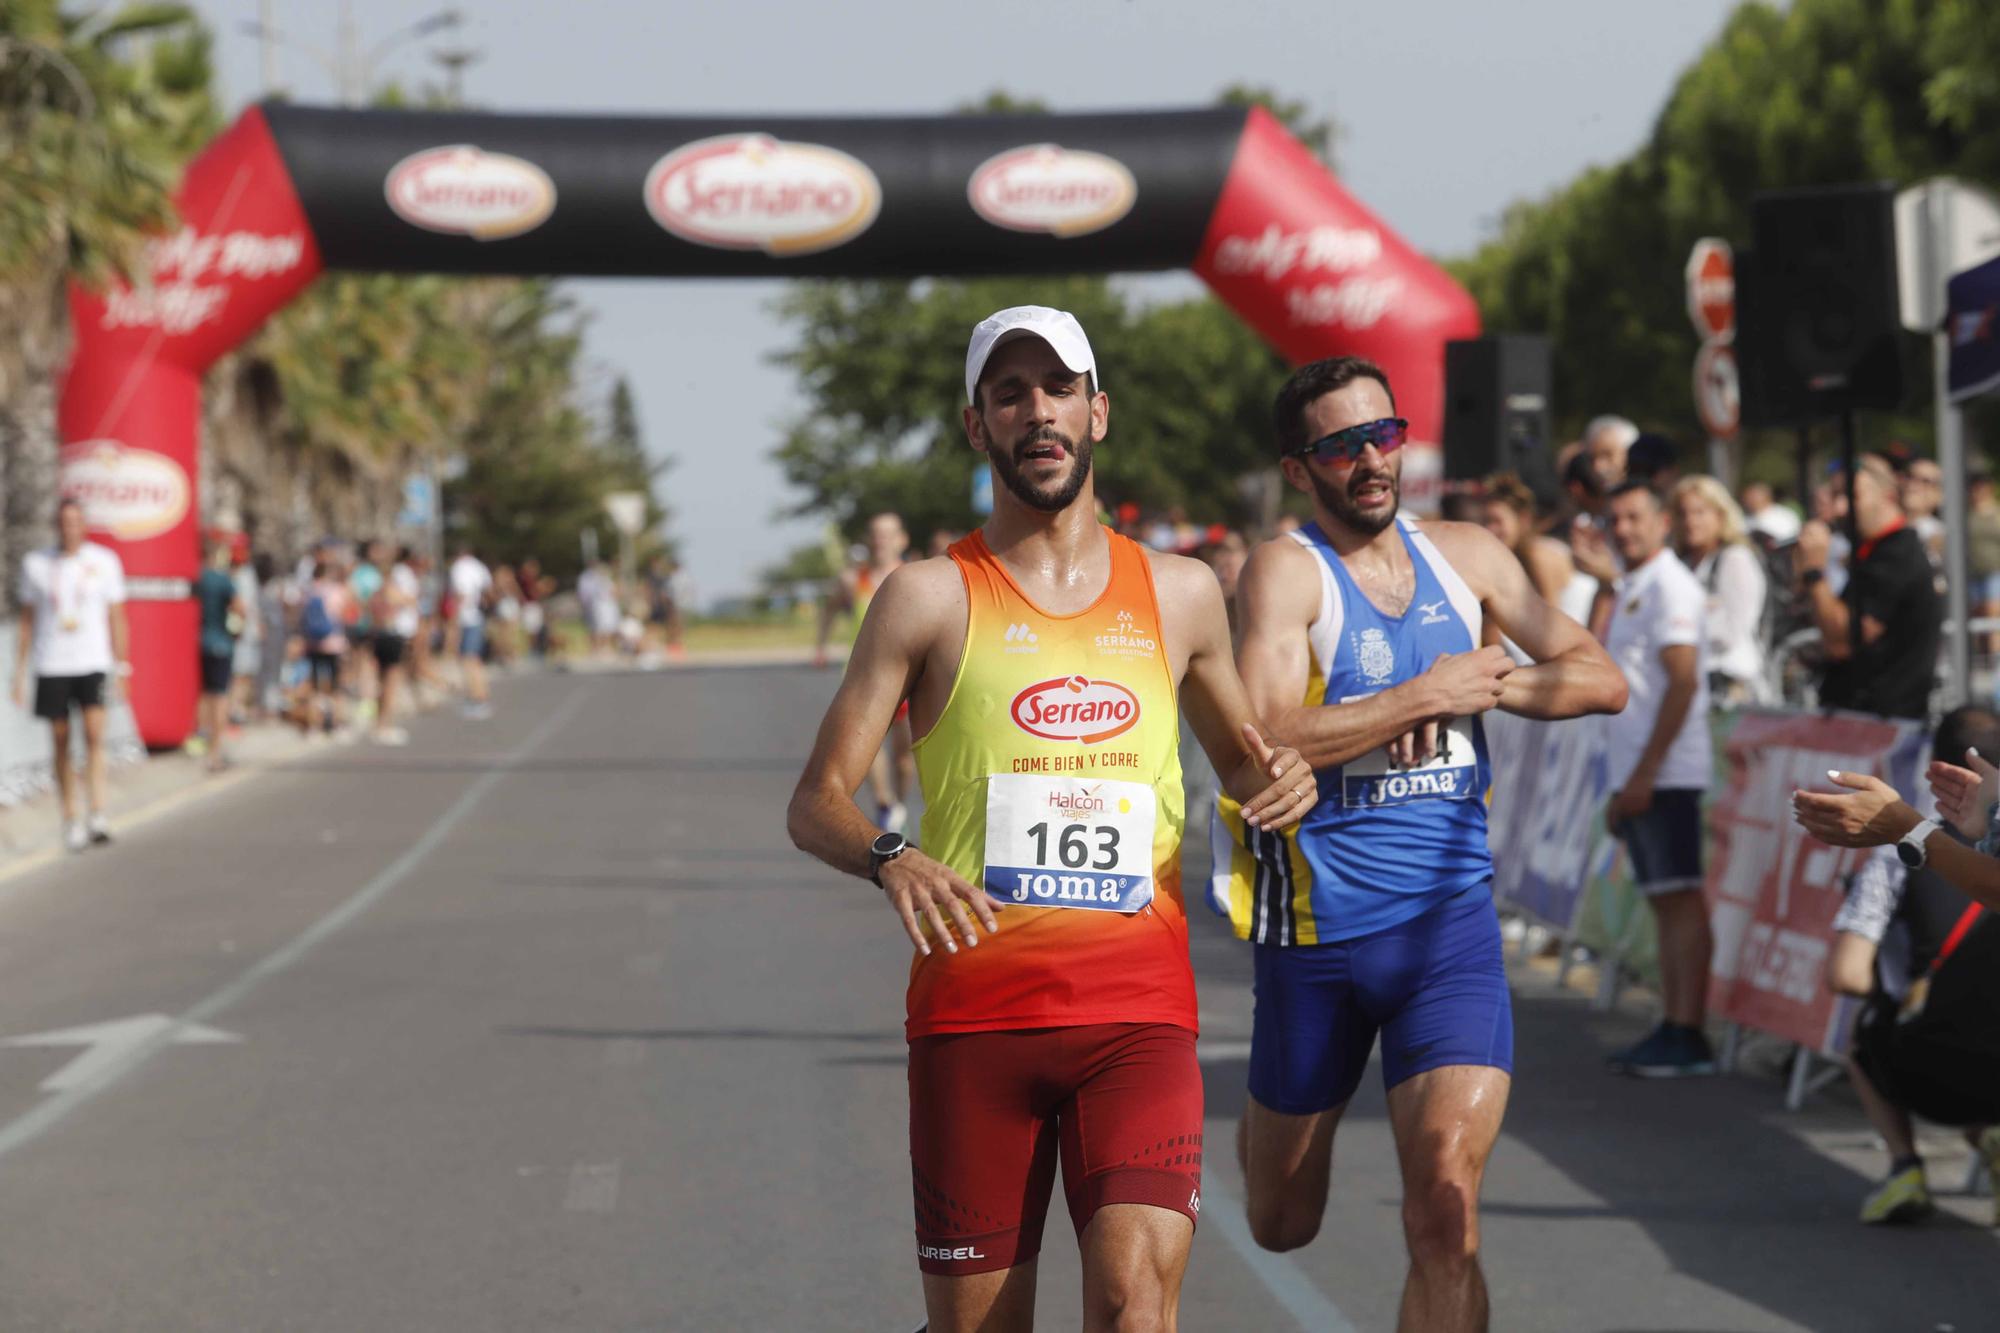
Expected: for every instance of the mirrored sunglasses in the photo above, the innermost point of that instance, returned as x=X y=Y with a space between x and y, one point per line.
x=1345 y=446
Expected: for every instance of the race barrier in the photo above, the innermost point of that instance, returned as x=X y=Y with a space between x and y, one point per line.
x=290 y=191
x=1772 y=890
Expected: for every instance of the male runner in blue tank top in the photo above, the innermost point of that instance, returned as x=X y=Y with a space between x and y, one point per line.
x=1361 y=644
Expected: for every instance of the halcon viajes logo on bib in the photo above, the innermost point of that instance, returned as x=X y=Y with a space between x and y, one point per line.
x=130 y=493
x=1045 y=187
x=1075 y=708
x=462 y=190
x=754 y=192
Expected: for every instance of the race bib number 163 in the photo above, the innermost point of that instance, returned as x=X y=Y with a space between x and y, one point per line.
x=1069 y=842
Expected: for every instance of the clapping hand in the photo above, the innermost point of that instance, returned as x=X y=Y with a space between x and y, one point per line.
x=1965 y=796
x=1868 y=814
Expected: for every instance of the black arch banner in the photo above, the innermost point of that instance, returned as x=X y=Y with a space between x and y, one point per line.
x=291 y=190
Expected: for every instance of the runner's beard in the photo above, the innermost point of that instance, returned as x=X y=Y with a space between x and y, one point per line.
x=1339 y=500
x=1049 y=499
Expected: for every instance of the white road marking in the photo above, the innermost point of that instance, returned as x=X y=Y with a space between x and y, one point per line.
x=30 y=1125
x=110 y=1042
x=1215 y=1052
x=1303 y=1301
x=593 y=1188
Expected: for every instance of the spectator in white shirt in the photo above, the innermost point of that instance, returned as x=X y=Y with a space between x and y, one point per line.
x=1711 y=541
x=1660 y=759
x=1764 y=515
x=73 y=642
x=471 y=585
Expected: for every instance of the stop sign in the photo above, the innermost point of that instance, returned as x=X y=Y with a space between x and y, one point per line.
x=1711 y=290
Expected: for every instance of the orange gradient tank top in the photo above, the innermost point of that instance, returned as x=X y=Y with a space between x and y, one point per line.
x=1053 y=779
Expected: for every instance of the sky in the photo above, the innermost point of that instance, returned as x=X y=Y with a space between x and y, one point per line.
x=1449 y=110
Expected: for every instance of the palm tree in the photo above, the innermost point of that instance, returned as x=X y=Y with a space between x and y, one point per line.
x=98 y=111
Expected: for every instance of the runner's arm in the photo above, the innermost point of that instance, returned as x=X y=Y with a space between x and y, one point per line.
x=1572 y=674
x=121 y=636
x=1277 y=599
x=823 y=819
x=23 y=649
x=1274 y=786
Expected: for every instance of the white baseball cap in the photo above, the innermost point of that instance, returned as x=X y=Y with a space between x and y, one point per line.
x=1057 y=328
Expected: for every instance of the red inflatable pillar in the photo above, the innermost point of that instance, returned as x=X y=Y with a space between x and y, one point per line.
x=1313 y=270
x=130 y=407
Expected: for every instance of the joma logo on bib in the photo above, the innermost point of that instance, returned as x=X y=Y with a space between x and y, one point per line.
x=1075 y=708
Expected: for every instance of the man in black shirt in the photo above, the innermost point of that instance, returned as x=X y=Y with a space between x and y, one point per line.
x=1928 y=1040
x=1880 y=636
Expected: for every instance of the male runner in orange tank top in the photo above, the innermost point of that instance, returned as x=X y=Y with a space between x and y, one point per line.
x=1043 y=659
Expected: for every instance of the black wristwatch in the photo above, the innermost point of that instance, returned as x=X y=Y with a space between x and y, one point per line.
x=884 y=850
x=1811 y=576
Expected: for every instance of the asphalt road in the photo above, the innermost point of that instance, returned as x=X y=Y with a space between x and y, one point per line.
x=542 y=1024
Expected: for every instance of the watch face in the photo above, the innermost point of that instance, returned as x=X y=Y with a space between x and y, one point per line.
x=1910 y=856
x=889 y=844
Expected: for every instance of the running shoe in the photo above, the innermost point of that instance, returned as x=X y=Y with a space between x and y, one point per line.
x=892 y=818
x=392 y=736
x=1670 y=1052
x=1989 y=1152
x=75 y=836
x=1903 y=1197
x=100 y=829
x=1620 y=1061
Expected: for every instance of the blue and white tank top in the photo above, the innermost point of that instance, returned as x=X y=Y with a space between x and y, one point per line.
x=1384 y=843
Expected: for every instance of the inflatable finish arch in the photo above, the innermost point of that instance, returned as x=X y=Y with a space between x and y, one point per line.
x=289 y=190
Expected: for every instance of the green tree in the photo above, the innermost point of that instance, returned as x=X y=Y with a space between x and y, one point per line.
x=1824 y=92
x=98 y=109
x=882 y=367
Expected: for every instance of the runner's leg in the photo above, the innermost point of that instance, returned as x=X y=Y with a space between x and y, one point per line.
x=1445 y=1121
x=1287 y=1163
x=1131 y=1161
x=93 y=758
x=982 y=1166
x=1309 y=1046
x=1134 y=1257
x=1002 y=1301
x=65 y=769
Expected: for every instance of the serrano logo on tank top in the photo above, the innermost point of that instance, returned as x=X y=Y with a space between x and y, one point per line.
x=1075 y=708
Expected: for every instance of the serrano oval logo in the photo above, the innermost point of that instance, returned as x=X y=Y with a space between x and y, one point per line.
x=1075 y=708
x=461 y=190
x=130 y=493
x=1047 y=188
x=754 y=192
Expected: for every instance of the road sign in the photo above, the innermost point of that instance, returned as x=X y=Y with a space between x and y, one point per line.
x=1711 y=290
x=417 y=499
x=1943 y=227
x=1718 y=396
x=106 y=1045
x=627 y=510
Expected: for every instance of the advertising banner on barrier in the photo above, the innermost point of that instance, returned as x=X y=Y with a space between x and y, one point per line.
x=1546 y=823
x=1773 y=891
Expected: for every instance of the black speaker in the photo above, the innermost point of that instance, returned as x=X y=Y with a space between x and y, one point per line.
x=1496 y=410
x=1770 y=399
x=1818 y=330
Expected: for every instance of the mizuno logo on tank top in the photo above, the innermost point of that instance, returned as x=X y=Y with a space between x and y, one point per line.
x=1384 y=842
x=1052 y=779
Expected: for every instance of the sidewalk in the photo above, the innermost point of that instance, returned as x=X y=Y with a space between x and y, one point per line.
x=31 y=831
